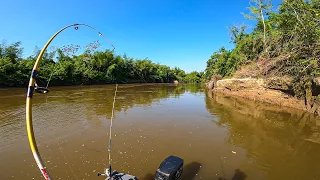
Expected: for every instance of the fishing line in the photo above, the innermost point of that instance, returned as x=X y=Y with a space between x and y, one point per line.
x=55 y=66
x=61 y=151
x=110 y=130
x=65 y=158
x=32 y=86
x=222 y=168
x=44 y=90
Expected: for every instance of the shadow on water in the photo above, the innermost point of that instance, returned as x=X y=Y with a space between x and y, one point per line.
x=238 y=175
x=148 y=177
x=189 y=172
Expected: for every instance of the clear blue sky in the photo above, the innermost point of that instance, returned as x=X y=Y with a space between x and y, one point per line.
x=181 y=33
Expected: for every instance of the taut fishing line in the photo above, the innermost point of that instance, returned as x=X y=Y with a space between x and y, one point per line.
x=164 y=171
x=110 y=130
x=32 y=86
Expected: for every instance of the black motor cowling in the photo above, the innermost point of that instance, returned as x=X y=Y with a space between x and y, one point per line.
x=170 y=169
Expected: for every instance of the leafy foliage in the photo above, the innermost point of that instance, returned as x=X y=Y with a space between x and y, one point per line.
x=292 y=32
x=63 y=67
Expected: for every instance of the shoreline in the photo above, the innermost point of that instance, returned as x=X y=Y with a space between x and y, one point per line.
x=88 y=85
x=257 y=90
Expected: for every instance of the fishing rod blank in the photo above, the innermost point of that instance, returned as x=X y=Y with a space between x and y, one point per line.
x=32 y=86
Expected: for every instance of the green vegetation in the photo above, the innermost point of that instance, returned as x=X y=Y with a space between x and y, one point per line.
x=282 y=43
x=91 y=67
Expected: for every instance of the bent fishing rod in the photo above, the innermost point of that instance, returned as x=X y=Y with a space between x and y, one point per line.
x=170 y=169
x=34 y=87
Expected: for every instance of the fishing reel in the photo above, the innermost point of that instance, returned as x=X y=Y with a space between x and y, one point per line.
x=41 y=90
x=116 y=175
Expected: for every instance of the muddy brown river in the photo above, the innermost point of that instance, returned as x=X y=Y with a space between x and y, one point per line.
x=218 y=137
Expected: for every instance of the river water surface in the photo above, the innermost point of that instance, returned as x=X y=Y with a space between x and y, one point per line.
x=217 y=137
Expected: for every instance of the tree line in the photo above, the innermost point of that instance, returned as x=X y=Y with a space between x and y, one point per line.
x=285 y=42
x=63 y=67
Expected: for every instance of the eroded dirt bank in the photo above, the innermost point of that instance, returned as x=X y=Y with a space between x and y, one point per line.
x=274 y=91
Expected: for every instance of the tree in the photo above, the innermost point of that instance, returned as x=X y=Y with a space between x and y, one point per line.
x=237 y=33
x=292 y=35
x=259 y=10
x=13 y=51
x=63 y=67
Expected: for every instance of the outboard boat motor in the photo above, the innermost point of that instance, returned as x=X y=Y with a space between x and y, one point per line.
x=170 y=169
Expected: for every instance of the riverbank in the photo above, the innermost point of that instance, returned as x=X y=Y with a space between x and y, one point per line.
x=284 y=58
x=273 y=91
